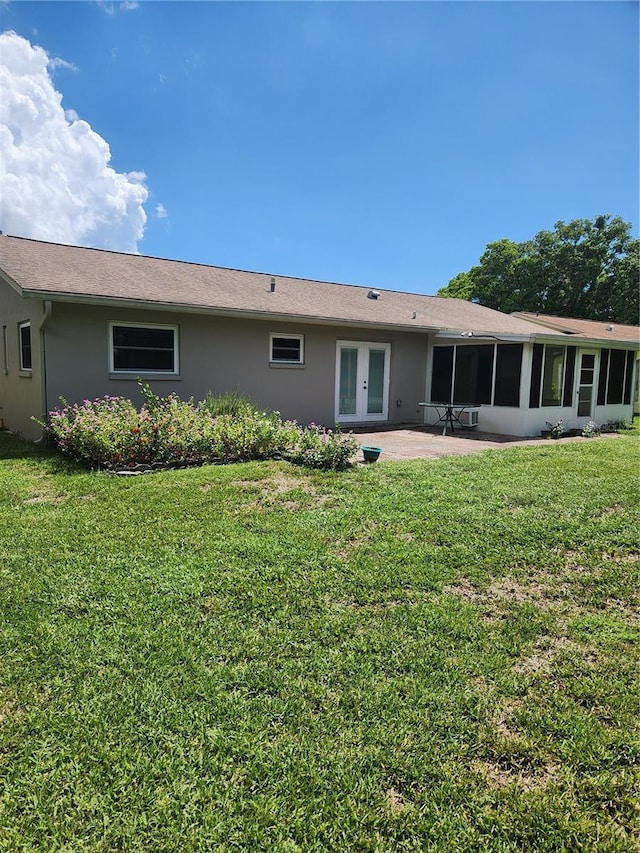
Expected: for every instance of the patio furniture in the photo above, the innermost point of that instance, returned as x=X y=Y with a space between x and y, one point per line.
x=450 y=413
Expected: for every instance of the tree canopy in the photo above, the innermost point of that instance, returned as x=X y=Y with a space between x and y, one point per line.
x=585 y=269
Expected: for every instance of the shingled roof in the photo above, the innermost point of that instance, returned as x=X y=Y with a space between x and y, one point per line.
x=70 y=273
x=591 y=329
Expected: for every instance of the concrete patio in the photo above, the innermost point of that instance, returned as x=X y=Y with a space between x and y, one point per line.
x=420 y=442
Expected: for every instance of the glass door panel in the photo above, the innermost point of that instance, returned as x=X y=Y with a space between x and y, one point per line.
x=347 y=398
x=375 y=384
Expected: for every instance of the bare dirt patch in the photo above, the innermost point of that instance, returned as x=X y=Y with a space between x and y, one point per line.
x=396 y=803
x=45 y=498
x=497 y=777
x=273 y=488
x=543 y=656
x=503 y=720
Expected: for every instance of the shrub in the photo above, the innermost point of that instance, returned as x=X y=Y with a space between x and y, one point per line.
x=556 y=430
x=110 y=432
x=316 y=447
x=590 y=430
x=231 y=403
x=252 y=436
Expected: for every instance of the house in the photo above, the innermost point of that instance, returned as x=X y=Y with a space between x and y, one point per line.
x=81 y=323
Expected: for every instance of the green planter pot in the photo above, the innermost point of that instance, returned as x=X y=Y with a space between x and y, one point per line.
x=371 y=454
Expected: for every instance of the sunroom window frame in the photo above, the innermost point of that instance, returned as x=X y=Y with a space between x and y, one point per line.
x=547 y=348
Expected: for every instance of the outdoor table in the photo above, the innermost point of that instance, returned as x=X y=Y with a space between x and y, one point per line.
x=448 y=413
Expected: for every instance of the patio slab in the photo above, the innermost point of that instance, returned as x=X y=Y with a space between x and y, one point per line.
x=418 y=442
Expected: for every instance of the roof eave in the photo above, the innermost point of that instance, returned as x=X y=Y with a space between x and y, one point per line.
x=12 y=283
x=187 y=308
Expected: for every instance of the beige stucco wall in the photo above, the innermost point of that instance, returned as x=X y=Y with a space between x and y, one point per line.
x=20 y=391
x=225 y=354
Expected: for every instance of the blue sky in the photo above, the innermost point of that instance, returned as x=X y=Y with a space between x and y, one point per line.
x=379 y=143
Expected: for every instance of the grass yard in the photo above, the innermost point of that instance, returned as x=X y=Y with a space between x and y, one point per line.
x=419 y=656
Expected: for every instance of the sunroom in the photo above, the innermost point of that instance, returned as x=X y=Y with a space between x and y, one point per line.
x=519 y=387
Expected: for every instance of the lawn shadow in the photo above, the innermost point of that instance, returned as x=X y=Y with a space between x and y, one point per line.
x=13 y=446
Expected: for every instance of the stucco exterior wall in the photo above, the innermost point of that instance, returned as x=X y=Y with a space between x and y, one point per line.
x=220 y=354
x=20 y=391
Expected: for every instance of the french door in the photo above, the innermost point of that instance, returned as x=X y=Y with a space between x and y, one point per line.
x=586 y=384
x=362 y=381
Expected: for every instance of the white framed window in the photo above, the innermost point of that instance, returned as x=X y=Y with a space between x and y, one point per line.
x=142 y=348
x=24 y=340
x=286 y=349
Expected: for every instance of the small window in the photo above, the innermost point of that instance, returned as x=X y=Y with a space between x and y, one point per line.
x=143 y=349
x=287 y=349
x=25 y=346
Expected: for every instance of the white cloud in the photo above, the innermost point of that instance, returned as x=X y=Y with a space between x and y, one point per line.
x=110 y=7
x=161 y=211
x=55 y=179
x=57 y=62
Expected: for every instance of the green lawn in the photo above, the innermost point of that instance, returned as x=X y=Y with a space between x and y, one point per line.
x=420 y=656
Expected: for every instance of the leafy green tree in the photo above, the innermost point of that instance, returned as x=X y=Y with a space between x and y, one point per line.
x=585 y=269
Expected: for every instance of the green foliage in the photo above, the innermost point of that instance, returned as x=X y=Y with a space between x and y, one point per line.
x=110 y=432
x=434 y=656
x=591 y=430
x=556 y=430
x=232 y=403
x=585 y=269
x=317 y=447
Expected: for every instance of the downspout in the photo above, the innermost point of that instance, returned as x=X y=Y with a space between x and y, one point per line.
x=44 y=404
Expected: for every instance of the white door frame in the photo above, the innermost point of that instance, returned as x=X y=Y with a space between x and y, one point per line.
x=364 y=349
x=592 y=385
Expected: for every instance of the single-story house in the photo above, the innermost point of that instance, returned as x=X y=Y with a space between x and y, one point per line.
x=82 y=323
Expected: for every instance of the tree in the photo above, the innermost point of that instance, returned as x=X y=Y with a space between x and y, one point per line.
x=585 y=269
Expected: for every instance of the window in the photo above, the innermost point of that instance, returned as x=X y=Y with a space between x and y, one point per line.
x=143 y=349
x=24 y=331
x=615 y=378
x=286 y=349
x=5 y=351
x=474 y=374
x=602 y=377
x=628 y=377
x=569 y=371
x=552 y=375
x=508 y=373
x=466 y=374
x=536 y=376
x=442 y=374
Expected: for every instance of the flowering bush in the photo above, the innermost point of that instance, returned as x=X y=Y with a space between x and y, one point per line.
x=590 y=430
x=556 y=430
x=110 y=432
x=316 y=447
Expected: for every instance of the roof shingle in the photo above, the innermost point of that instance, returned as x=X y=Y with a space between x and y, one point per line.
x=56 y=271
